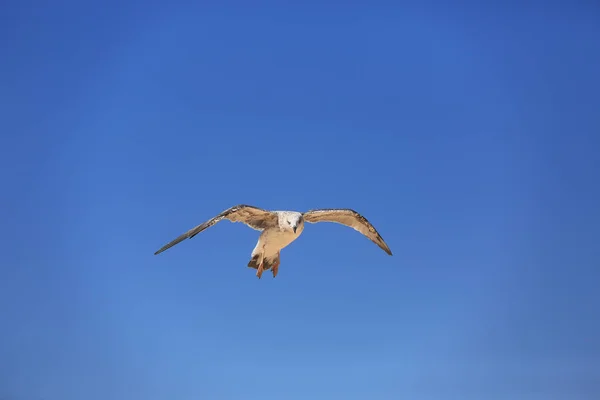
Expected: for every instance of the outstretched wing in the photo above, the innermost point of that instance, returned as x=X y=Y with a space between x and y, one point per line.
x=349 y=218
x=254 y=217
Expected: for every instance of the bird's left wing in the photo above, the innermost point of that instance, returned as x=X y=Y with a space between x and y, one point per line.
x=349 y=218
x=254 y=217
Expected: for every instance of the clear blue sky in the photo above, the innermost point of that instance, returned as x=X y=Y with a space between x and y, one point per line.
x=467 y=136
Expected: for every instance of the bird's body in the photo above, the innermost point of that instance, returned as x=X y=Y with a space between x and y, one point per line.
x=273 y=239
x=280 y=229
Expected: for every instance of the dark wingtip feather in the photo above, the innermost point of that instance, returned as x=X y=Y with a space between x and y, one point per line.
x=173 y=243
x=385 y=248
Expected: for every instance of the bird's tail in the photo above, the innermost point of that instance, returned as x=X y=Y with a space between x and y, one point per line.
x=268 y=262
x=255 y=261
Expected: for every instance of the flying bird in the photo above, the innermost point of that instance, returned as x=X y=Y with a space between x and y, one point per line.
x=280 y=228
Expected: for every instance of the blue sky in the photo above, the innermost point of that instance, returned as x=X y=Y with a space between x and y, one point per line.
x=467 y=136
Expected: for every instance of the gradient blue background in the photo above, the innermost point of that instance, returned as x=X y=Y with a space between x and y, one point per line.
x=468 y=136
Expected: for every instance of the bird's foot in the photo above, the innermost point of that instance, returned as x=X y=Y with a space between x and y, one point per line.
x=275 y=267
x=260 y=270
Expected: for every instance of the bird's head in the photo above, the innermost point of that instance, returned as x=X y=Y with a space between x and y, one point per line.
x=295 y=221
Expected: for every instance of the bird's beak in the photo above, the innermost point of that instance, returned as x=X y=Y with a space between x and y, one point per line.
x=294 y=228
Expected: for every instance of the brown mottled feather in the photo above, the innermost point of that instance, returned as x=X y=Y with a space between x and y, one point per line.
x=349 y=218
x=254 y=217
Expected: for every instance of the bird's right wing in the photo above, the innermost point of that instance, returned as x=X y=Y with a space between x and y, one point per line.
x=350 y=218
x=254 y=217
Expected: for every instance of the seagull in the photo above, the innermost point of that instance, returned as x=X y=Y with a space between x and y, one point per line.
x=280 y=228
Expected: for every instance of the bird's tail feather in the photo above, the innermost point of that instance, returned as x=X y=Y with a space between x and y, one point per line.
x=268 y=262
x=255 y=261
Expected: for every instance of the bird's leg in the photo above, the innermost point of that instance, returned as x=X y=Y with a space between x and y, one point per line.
x=275 y=267
x=260 y=269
